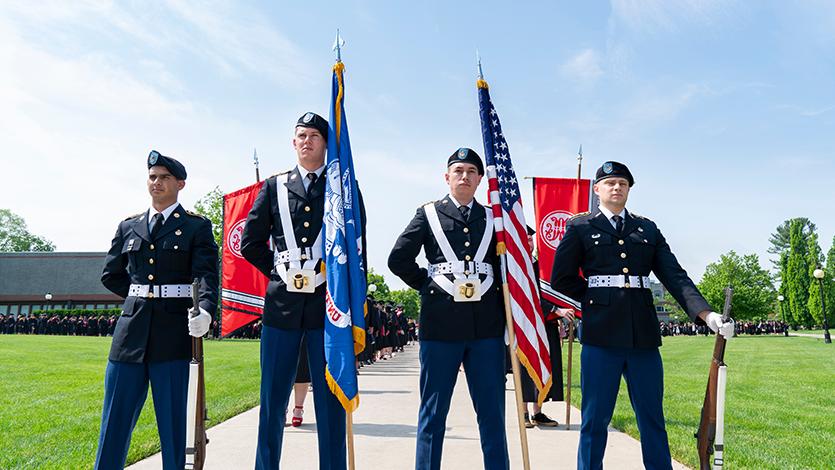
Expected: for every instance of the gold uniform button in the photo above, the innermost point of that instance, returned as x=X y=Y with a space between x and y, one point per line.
x=151 y=260
x=150 y=277
x=304 y=257
x=178 y=232
x=627 y=285
x=625 y=270
x=467 y=257
x=596 y=243
x=466 y=243
x=620 y=242
x=176 y=247
x=304 y=239
x=307 y=208
x=150 y=295
x=176 y=215
x=307 y=224
x=152 y=246
x=466 y=230
x=591 y=301
x=623 y=255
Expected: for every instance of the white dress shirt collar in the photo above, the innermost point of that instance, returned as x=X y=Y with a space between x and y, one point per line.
x=609 y=214
x=303 y=173
x=165 y=213
x=458 y=204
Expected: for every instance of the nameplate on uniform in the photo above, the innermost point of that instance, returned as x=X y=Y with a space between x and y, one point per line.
x=467 y=290
x=301 y=280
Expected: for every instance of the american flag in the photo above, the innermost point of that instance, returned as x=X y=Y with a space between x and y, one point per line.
x=512 y=237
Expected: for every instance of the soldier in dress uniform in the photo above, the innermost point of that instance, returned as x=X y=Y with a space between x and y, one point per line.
x=289 y=210
x=462 y=316
x=152 y=261
x=616 y=251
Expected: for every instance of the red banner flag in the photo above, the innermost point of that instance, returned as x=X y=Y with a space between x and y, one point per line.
x=556 y=200
x=243 y=286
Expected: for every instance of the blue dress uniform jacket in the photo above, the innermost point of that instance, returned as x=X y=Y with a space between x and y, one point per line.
x=441 y=318
x=283 y=309
x=613 y=316
x=151 y=330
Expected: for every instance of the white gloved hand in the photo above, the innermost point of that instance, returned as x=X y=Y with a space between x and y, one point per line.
x=198 y=325
x=714 y=321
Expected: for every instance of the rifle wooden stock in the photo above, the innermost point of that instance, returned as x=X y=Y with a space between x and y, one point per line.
x=196 y=413
x=706 y=434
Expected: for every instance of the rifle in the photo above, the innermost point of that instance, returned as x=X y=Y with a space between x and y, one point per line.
x=196 y=413
x=710 y=436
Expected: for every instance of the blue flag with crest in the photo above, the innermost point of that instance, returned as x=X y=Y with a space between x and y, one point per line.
x=346 y=277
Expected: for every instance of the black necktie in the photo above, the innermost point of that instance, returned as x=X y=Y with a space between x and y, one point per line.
x=465 y=212
x=156 y=224
x=312 y=177
x=618 y=223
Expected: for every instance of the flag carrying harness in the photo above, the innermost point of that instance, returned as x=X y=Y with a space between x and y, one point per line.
x=295 y=258
x=467 y=271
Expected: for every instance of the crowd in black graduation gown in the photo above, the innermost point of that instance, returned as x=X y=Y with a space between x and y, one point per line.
x=387 y=331
x=67 y=325
x=771 y=327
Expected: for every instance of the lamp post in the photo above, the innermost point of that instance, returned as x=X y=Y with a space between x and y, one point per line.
x=818 y=273
x=48 y=298
x=780 y=300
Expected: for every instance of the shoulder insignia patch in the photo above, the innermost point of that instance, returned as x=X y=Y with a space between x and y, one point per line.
x=579 y=215
x=133 y=216
x=195 y=214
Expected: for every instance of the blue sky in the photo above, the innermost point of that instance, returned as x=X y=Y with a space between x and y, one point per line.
x=724 y=111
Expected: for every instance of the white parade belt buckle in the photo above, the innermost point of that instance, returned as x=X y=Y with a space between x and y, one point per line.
x=301 y=280
x=466 y=290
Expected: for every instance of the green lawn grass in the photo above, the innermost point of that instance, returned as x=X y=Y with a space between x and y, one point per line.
x=781 y=399
x=52 y=387
x=780 y=407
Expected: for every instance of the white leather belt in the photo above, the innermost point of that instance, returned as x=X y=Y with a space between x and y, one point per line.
x=620 y=280
x=166 y=291
x=460 y=267
x=297 y=254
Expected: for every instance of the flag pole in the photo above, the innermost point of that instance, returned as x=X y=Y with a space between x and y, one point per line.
x=349 y=418
x=511 y=335
x=514 y=361
x=255 y=162
x=571 y=324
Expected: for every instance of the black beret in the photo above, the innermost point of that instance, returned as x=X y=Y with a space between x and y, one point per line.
x=612 y=170
x=176 y=168
x=465 y=155
x=314 y=121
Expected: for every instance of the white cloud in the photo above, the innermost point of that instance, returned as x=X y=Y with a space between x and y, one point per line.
x=583 y=67
x=668 y=15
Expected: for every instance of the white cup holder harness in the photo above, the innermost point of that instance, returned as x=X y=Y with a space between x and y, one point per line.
x=469 y=270
x=294 y=257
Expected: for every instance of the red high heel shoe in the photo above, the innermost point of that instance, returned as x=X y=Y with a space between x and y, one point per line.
x=298 y=411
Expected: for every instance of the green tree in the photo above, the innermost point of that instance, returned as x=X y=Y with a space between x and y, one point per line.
x=815 y=261
x=785 y=310
x=780 y=239
x=674 y=310
x=796 y=282
x=754 y=293
x=383 y=291
x=410 y=300
x=15 y=237
x=211 y=207
x=829 y=282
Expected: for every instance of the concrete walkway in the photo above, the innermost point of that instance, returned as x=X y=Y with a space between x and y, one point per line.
x=386 y=423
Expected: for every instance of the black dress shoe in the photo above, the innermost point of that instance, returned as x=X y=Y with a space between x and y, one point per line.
x=540 y=419
x=528 y=423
